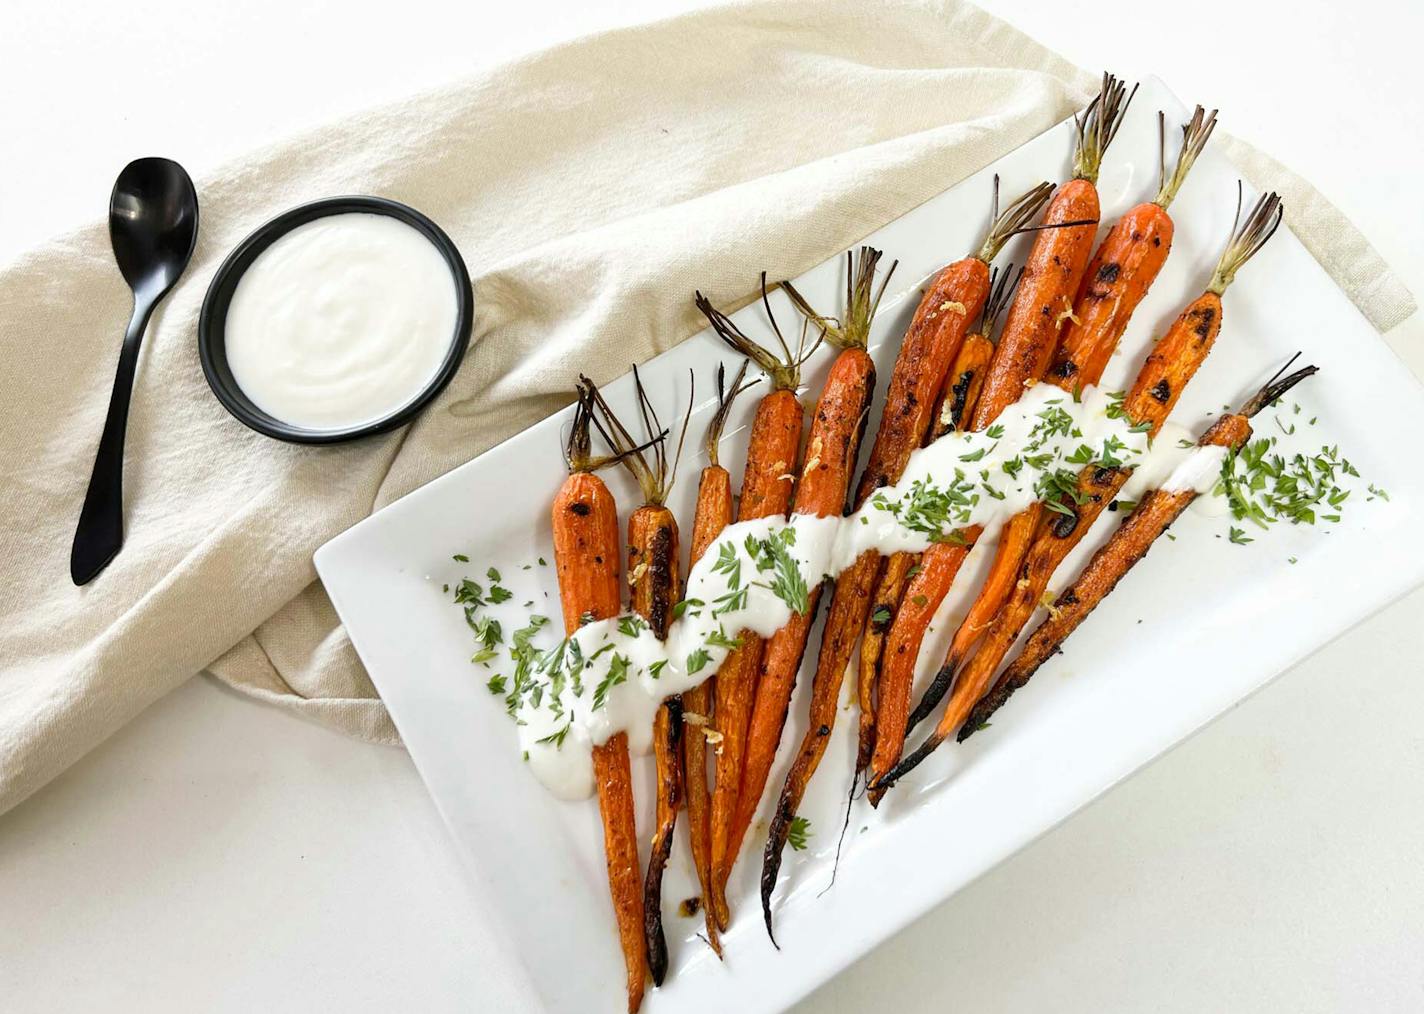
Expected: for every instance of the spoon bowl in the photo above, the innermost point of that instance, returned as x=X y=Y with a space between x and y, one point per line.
x=153 y=223
x=153 y=227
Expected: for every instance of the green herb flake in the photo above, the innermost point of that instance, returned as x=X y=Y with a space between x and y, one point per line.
x=798 y=833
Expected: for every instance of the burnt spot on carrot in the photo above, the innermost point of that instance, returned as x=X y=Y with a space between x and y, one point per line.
x=661 y=577
x=1108 y=273
x=1162 y=391
x=581 y=509
x=1065 y=524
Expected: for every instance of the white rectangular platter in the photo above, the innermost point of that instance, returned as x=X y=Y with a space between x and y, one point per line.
x=1093 y=715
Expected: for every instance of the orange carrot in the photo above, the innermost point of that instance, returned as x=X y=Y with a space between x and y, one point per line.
x=773 y=453
x=585 y=524
x=936 y=333
x=960 y=394
x=714 y=513
x=836 y=429
x=902 y=649
x=1044 y=301
x=1056 y=264
x=656 y=586
x=1173 y=361
x=1121 y=272
x=1152 y=516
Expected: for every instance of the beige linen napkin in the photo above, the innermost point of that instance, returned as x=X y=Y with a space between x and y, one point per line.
x=591 y=188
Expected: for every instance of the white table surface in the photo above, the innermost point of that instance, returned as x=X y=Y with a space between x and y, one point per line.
x=219 y=855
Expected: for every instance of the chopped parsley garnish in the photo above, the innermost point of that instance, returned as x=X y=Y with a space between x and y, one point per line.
x=557 y=738
x=616 y=676
x=798 y=833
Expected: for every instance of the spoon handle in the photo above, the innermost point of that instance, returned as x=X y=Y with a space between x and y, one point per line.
x=100 y=532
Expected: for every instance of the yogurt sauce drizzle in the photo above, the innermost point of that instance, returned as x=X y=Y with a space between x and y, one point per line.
x=610 y=676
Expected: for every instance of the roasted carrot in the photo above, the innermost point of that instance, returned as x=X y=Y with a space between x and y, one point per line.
x=1054 y=272
x=951 y=302
x=960 y=393
x=1044 y=300
x=1124 y=268
x=836 y=429
x=655 y=585
x=714 y=513
x=1173 y=361
x=1119 y=276
x=585 y=525
x=902 y=649
x=1152 y=516
x=773 y=453
x=1056 y=264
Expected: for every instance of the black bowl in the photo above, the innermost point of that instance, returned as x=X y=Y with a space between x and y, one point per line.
x=212 y=322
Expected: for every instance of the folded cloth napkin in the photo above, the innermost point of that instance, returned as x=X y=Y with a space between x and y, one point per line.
x=591 y=188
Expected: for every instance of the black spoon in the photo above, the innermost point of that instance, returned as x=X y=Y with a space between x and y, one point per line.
x=153 y=225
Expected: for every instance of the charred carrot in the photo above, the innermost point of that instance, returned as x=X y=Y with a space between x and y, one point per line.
x=902 y=649
x=1152 y=516
x=1119 y=276
x=714 y=513
x=836 y=429
x=586 y=551
x=1056 y=264
x=1173 y=361
x=1044 y=300
x=960 y=393
x=1124 y=268
x=1052 y=275
x=949 y=305
x=655 y=585
x=767 y=486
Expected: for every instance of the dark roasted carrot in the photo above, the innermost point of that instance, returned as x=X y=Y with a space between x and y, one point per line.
x=902 y=649
x=585 y=526
x=655 y=583
x=1052 y=275
x=951 y=302
x=714 y=513
x=958 y=396
x=1056 y=263
x=884 y=604
x=653 y=568
x=773 y=453
x=1153 y=515
x=1119 y=276
x=836 y=429
x=1173 y=361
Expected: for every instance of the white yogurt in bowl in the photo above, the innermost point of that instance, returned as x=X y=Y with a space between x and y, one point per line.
x=341 y=322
